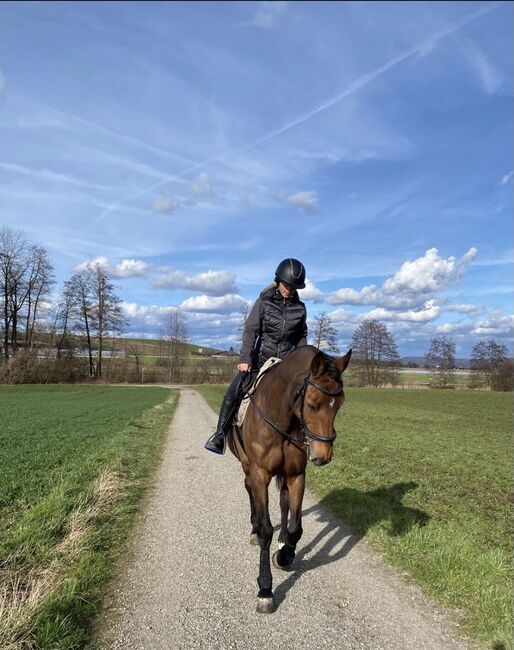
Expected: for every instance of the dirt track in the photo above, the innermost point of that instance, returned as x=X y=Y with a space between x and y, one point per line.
x=189 y=580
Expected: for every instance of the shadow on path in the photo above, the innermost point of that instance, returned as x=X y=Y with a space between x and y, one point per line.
x=336 y=539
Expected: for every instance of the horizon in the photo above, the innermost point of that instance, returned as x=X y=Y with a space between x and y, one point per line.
x=190 y=147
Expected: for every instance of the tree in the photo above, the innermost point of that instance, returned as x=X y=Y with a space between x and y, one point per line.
x=441 y=361
x=108 y=317
x=26 y=276
x=40 y=280
x=96 y=309
x=176 y=341
x=487 y=358
x=325 y=334
x=375 y=353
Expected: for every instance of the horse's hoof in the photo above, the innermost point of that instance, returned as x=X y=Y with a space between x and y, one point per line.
x=286 y=567
x=254 y=540
x=265 y=605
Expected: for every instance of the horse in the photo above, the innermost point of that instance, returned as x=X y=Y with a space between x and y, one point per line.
x=289 y=421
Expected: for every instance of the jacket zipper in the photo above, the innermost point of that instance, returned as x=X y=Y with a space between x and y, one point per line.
x=283 y=326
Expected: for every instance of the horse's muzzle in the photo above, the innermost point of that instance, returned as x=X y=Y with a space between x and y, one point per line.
x=320 y=461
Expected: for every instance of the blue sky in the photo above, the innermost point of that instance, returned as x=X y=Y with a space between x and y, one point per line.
x=192 y=146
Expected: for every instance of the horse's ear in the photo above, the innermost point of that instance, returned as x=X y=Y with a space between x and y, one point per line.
x=317 y=364
x=342 y=362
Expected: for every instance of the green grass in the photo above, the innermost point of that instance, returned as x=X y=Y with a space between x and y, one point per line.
x=74 y=460
x=426 y=477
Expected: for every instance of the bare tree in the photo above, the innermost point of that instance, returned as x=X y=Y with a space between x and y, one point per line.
x=176 y=339
x=97 y=310
x=13 y=260
x=375 y=353
x=26 y=276
x=63 y=319
x=487 y=358
x=441 y=361
x=325 y=334
x=80 y=288
x=40 y=280
x=108 y=317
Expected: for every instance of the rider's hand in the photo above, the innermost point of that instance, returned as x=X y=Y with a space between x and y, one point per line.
x=244 y=367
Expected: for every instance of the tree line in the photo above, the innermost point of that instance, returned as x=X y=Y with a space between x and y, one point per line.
x=375 y=358
x=88 y=313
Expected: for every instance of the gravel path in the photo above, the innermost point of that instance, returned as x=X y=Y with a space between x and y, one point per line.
x=189 y=580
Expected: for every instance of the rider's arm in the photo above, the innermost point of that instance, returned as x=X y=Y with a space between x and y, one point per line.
x=251 y=331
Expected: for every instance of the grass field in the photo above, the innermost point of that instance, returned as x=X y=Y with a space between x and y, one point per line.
x=426 y=477
x=74 y=460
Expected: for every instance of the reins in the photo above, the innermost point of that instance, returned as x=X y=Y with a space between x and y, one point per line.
x=307 y=433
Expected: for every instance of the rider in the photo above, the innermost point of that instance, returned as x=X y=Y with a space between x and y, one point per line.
x=276 y=325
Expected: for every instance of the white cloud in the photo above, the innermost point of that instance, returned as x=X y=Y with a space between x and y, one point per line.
x=215 y=304
x=202 y=185
x=424 y=275
x=214 y=283
x=267 y=14
x=472 y=310
x=311 y=292
x=129 y=269
x=430 y=311
x=368 y=295
x=495 y=324
x=124 y=269
x=164 y=205
x=507 y=178
x=304 y=201
x=489 y=77
x=101 y=260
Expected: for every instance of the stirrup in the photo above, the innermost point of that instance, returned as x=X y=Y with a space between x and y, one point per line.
x=212 y=443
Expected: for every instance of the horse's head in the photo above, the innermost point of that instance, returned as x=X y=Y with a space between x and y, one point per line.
x=322 y=396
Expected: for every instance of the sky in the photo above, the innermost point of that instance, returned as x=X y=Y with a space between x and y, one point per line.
x=189 y=147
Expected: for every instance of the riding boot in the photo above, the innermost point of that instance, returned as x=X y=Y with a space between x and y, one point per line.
x=218 y=441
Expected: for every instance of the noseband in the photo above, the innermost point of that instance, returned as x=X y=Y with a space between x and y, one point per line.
x=307 y=434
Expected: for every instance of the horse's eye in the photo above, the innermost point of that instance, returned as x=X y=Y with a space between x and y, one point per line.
x=312 y=407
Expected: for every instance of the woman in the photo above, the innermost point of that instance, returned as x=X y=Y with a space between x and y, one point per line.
x=275 y=327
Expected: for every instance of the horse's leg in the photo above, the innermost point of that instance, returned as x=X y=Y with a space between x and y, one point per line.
x=284 y=512
x=259 y=482
x=285 y=555
x=253 y=514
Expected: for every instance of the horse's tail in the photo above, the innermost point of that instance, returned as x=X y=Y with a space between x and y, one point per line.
x=279 y=481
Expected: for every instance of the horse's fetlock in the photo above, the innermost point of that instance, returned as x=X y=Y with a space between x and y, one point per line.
x=286 y=554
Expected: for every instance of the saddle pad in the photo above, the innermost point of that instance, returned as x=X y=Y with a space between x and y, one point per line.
x=272 y=361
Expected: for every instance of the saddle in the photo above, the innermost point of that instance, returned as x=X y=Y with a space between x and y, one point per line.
x=250 y=390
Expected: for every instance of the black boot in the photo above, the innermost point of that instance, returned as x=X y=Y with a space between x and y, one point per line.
x=218 y=441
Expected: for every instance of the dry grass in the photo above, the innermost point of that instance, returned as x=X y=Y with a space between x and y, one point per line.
x=23 y=591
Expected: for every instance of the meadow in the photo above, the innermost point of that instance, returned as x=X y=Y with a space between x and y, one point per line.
x=425 y=476
x=74 y=461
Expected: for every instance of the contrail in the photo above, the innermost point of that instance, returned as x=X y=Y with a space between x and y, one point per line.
x=365 y=79
x=425 y=46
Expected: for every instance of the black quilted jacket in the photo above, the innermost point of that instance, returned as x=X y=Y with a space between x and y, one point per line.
x=274 y=328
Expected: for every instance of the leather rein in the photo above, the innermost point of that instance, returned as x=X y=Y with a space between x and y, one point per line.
x=306 y=432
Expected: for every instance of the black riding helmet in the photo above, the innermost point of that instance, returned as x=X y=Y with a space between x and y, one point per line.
x=291 y=272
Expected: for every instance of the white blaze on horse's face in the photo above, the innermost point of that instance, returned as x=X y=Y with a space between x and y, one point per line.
x=332 y=402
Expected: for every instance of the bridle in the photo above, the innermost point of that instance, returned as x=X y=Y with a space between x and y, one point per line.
x=307 y=434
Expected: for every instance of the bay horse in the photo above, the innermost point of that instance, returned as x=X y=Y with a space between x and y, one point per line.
x=290 y=420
